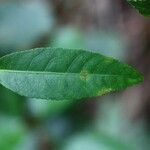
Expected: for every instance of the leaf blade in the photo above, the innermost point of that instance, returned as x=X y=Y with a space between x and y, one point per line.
x=143 y=6
x=49 y=73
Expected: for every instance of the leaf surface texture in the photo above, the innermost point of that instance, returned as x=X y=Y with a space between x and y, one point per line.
x=64 y=74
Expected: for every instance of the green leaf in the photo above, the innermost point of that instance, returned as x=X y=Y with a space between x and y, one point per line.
x=143 y=6
x=58 y=74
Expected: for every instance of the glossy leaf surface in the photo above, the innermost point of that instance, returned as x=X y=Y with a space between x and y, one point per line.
x=143 y=6
x=58 y=74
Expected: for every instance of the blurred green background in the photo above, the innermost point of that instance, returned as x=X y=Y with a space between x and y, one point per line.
x=118 y=121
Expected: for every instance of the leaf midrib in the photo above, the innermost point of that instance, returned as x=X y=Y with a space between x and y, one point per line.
x=61 y=73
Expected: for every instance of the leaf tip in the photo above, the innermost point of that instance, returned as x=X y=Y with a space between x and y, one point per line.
x=139 y=77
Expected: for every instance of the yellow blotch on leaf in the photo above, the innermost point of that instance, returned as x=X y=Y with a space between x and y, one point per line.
x=104 y=91
x=84 y=75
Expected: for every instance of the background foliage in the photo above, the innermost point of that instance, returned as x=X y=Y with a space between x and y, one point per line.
x=118 y=121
